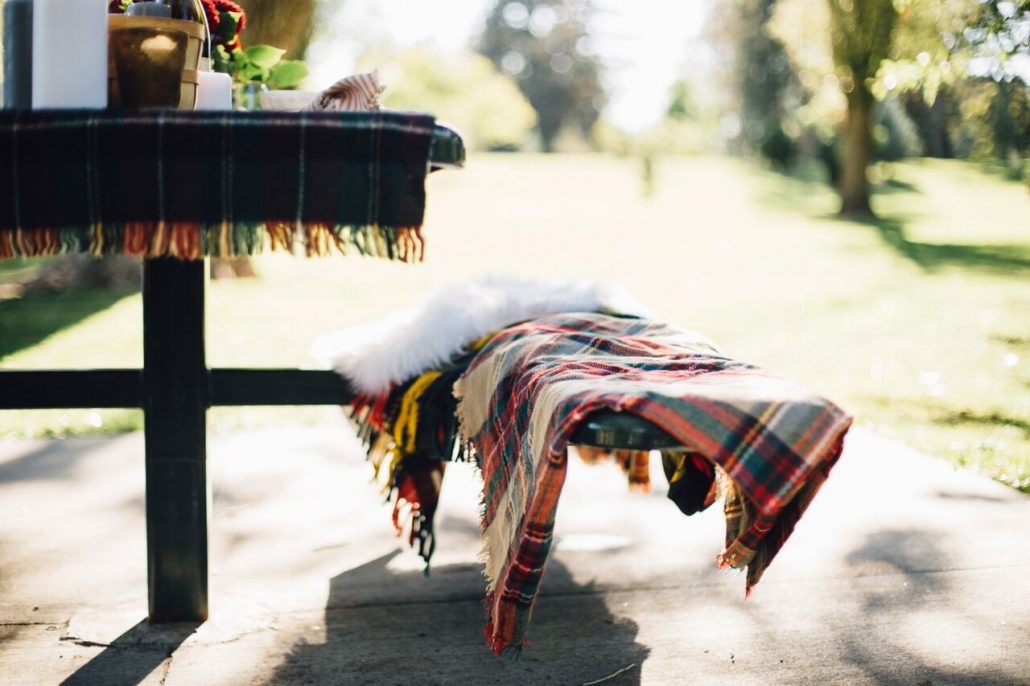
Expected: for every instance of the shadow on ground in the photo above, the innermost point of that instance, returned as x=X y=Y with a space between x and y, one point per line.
x=991 y=419
x=27 y=321
x=51 y=461
x=131 y=657
x=575 y=638
x=1002 y=259
x=883 y=649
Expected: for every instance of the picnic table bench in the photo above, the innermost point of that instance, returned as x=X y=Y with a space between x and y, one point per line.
x=176 y=188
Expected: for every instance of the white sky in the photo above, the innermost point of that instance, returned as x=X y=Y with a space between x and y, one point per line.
x=644 y=46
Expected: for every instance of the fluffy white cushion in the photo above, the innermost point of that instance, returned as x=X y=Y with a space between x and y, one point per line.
x=403 y=344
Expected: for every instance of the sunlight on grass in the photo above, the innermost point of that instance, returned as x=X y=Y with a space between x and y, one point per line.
x=916 y=323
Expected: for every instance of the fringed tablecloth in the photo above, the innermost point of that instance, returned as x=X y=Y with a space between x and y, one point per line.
x=219 y=184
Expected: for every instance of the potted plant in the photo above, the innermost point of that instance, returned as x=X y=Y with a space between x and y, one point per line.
x=254 y=68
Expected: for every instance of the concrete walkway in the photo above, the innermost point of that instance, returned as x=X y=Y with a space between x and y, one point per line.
x=903 y=571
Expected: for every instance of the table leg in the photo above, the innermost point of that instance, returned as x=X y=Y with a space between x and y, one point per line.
x=175 y=400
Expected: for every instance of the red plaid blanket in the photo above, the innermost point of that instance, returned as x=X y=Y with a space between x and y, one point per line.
x=524 y=394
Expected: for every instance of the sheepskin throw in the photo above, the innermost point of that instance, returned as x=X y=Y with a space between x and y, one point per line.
x=378 y=356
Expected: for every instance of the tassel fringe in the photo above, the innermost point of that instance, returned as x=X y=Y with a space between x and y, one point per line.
x=190 y=241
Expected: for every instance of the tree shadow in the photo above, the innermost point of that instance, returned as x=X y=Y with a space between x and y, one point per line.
x=27 y=321
x=971 y=497
x=49 y=462
x=1005 y=259
x=895 y=617
x=893 y=185
x=995 y=419
x=916 y=555
x=131 y=657
x=383 y=626
x=1019 y=341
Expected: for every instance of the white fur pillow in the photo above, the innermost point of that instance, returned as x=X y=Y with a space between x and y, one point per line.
x=404 y=344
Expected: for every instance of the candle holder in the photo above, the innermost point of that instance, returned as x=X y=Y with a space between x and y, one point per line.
x=143 y=49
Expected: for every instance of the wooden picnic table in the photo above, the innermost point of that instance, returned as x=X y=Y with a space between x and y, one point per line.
x=176 y=188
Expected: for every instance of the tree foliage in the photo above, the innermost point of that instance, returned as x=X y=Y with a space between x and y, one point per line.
x=288 y=25
x=545 y=45
x=851 y=53
x=466 y=92
x=762 y=78
x=1000 y=29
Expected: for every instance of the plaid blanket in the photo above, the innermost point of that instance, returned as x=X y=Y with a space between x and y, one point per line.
x=524 y=394
x=196 y=184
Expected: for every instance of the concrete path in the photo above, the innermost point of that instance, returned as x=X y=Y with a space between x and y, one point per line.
x=903 y=571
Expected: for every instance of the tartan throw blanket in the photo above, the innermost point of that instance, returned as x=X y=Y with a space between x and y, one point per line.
x=404 y=367
x=196 y=184
x=410 y=433
x=526 y=391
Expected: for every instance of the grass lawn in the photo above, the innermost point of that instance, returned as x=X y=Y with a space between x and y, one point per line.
x=917 y=323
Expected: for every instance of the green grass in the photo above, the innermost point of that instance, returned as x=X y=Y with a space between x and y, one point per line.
x=917 y=323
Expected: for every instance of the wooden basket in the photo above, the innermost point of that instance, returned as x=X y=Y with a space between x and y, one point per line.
x=190 y=78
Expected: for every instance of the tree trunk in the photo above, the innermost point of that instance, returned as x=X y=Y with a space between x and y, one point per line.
x=858 y=146
x=286 y=24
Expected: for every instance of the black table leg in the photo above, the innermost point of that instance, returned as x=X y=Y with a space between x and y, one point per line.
x=175 y=400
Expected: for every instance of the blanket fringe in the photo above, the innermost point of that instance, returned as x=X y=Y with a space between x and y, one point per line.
x=193 y=241
x=410 y=434
x=511 y=652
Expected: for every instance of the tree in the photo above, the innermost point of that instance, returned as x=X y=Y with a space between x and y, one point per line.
x=1000 y=31
x=761 y=75
x=287 y=25
x=861 y=37
x=545 y=45
x=465 y=91
x=865 y=49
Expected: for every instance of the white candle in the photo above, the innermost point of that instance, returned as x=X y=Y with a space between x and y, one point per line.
x=69 y=54
x=214 y=92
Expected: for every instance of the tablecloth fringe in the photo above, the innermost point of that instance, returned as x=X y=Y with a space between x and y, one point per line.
x=192 y=241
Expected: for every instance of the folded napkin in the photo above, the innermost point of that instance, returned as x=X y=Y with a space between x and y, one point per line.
x=357 y=93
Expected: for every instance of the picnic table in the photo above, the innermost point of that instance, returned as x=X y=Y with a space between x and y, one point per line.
x=176 y=188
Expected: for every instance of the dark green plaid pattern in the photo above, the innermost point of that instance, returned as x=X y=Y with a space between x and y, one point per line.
x=86 y=177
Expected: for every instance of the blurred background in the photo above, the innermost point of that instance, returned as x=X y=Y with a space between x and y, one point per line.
x=838 y=190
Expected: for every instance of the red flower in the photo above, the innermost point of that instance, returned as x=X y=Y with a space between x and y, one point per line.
x=214 y=17
x=230 y=6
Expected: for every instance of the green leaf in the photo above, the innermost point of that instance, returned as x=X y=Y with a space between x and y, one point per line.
x=223 y=61
x=264 y=56
x=228 y=25
x=288 y=74
x=251 y=72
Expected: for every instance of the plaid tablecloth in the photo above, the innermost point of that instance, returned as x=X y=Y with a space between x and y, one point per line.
x=195 y=184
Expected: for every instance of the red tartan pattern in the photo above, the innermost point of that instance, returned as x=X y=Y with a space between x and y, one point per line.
x=775 y=440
